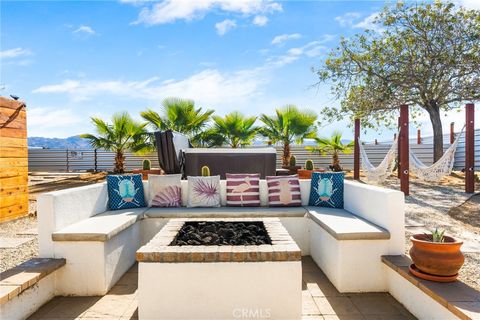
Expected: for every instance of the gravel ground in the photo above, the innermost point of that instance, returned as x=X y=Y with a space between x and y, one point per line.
x=10 y=257
x=429 y=206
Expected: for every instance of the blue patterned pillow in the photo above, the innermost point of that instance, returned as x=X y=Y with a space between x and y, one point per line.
x=326 y=189
x=125 y=191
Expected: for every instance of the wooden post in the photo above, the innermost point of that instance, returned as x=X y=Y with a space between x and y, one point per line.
x=452 y=132
x=95 y=157
x=419 y=136
x=470 y=148
x=399 y=151
x=356 y=151
x=376 y=142
x=404 y=151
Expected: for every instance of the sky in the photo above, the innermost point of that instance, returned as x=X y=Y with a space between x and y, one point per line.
x=70 y=60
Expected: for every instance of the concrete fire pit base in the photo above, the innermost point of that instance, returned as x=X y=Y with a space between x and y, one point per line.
x=220 y=282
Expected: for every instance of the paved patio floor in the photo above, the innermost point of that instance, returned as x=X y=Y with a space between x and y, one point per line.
x=320 y=301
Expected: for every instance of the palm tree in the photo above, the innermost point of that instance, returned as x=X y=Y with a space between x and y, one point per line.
x=289 y=124
x=333 y=146
x=179 y=115
x=121 y=135
x=236 y=129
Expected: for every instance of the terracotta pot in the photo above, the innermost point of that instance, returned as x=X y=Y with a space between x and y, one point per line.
x=437 y=258
x=145 y=173
x=292 y=169
x=307 y=174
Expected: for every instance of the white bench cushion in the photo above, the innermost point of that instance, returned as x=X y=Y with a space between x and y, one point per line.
x=343 y=225
x=224 y=212
x=101 y=227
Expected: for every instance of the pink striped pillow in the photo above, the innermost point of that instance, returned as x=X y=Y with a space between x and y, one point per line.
x=284 y=191
x=243 y=189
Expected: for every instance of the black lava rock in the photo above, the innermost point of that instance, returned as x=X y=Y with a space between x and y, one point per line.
x=222 y=233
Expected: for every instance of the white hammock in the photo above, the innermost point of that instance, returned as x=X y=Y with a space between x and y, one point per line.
x=384 y=169
x=439 y=169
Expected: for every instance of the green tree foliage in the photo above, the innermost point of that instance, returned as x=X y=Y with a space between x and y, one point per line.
x=424 y=55
x=179 y=115
x=234 y=130
x=289 y=124
x=121 y=135
x=332 y=146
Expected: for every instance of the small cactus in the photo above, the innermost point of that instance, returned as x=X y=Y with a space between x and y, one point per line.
x=293 y=161
x=146 y=164
x=309 y=165
x=205 y=171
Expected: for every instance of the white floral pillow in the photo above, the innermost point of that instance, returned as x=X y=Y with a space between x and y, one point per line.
x=204 y=191
x=165 y=190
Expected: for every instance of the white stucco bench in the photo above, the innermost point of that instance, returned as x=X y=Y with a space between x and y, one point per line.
x=99 y=245
x=343 y=244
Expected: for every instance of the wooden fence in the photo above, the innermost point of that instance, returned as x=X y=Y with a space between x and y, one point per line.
x=13 y=160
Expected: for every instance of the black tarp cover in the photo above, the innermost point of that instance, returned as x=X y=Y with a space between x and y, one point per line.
x=167 y=155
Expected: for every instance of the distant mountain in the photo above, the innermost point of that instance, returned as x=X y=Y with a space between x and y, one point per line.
x=74 y=142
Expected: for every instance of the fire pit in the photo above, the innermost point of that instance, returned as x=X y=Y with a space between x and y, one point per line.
x=221 y=269
x=222 y=233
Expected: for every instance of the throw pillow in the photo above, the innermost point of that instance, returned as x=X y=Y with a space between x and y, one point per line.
x=326 y=189
x=243 y=189
x=204 y=191
x=125 y=191
x=166 y=190
x=284 y=191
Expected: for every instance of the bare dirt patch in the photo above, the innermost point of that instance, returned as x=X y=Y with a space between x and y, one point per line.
x=468 y=212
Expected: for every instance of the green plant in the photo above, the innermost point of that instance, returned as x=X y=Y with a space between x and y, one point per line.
x=179 y=115
x=146 y=164
x=121 y=135
x=333 y=146
x=418 y=57
x=289 y=124
x=205 y=171
x=309 y=165
x=235 y=129
x=293 y=161
x=437 y=236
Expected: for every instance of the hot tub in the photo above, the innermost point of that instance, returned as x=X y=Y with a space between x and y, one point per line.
x=223 y=160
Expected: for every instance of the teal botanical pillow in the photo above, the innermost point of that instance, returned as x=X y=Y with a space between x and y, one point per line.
x=125 y=191
x=326 y=189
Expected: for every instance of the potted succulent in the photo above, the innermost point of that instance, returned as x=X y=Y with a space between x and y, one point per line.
x=146 y=169
x=306 y=172
x=435 y=256
x=292 y=165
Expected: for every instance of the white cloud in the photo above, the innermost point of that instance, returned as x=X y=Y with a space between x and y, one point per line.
x=469 y=4
x=85 y=30
x=209 y=87
x=347 y=19
x=14 y=53
x=51 y=122
x=260 y=21
x=225 y=26
x=169 y=11
x=351 y=20
x=312 y=49
x=281 y=39
x=369 y=23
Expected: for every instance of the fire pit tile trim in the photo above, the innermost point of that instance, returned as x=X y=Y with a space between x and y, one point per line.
x=283 y=248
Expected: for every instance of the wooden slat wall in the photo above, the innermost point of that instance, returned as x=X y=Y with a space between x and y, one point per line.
x=13 y=160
